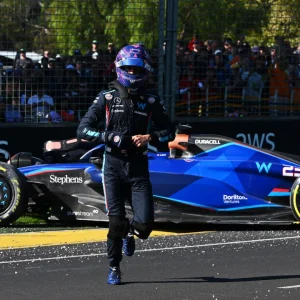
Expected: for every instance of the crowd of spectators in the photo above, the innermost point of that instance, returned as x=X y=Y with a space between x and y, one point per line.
x=56 y=88
x=236 y=78
x=214 y=78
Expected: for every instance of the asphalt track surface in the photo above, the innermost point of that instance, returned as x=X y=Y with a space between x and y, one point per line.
x=221 y=263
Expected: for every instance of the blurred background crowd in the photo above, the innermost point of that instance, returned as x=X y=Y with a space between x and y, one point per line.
x=214 y=78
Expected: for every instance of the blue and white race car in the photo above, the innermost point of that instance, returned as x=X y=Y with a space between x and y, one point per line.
x=198 y=178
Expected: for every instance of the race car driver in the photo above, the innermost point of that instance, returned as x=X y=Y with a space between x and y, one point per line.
x=128 y=110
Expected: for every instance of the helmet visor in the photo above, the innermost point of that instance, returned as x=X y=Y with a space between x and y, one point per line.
x=133 y=62
x=133 y=70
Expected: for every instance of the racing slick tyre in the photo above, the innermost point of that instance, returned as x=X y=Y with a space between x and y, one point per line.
x=13 y=194
x=295 y=199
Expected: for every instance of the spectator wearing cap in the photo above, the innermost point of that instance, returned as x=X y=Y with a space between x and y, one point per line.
x=59 y=64
x=71 y=80
x=255 y=50
x=23 y=62
x=77 y=56
x=228 y=49
x=94 y=52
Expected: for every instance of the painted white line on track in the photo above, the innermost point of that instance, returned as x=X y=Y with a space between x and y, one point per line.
x=151 y=250
x=289 y=287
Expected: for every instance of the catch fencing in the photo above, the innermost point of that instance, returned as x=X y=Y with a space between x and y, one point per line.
x=210 y=58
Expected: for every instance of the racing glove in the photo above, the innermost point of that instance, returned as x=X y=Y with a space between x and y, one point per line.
x=116 y=139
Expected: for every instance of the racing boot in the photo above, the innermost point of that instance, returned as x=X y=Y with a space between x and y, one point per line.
x=114 y=276
x=129 y=244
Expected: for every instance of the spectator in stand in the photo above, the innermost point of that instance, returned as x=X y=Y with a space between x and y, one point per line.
x=255 y=51
x=263 y=50
x=220 y=68
x=181 y=60
x=45 y=59
x=65 y=109
x=253 y=85
x=40 y=105
x=279 y=90
x=77 y=56
x=261 y=67
x=52 y=117
x=297 y=50
x=210 y=54
x=111 y=51
x=94 y=52
x=10 y=104
x=241 y=42
x=23 y=61
x=71 y=80
x=198 y=60
x=51 y=78
x=209 y=84
x=274 y=56
x=80 y=66
x=228 y=50
x=192 y=42
x=228 y=55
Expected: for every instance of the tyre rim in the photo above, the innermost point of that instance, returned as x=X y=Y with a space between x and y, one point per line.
x=5 y=194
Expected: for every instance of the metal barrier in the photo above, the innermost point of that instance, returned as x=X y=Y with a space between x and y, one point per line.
x=233 y=105
x=66 y=49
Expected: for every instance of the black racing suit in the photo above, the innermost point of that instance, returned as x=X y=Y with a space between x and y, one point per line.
x=125 y=167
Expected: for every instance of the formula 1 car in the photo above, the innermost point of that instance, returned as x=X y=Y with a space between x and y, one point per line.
x=198 y=178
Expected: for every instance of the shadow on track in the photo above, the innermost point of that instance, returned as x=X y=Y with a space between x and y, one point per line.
x=215 y=279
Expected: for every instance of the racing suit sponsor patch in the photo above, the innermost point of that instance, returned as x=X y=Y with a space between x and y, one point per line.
x=151 y=100
x=108 y=96
x=140 y=113
x=116 y=139
x=117 y=100
x=117 y=110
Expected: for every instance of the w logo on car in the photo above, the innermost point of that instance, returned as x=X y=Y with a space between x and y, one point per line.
x=263 y=166
x=141 y=105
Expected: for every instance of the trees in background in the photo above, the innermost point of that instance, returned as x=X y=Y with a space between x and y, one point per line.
x=65 y=25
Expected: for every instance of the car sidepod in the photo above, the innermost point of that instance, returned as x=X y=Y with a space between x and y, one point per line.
x=73 y=191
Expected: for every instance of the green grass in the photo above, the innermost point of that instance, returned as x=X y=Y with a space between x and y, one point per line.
x=30 y=220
